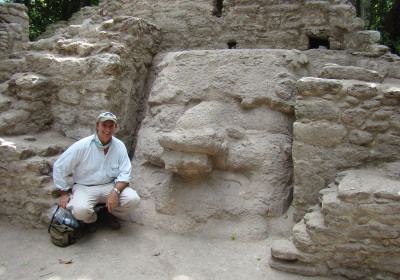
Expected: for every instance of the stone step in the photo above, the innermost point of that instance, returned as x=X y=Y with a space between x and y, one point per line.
x=46 y=144
x=298 y=268
x=285 y=250
x=302 y=239
x=320 y=232
x=334 y=71
x=103 y=65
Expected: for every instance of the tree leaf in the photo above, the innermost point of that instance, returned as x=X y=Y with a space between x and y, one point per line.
x=64 y=262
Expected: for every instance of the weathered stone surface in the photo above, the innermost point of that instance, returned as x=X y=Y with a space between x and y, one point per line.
x=357 y=227
x=364 y=184
x=81 y=70
x=14 y=24
x=360 y=137
x=27 y=162
x=188 y=165
x=317 y=86
x=319 y=133
x=362 y=90
x=350 y=73
x=239 y=24
x=323 y=144
x=306 y=270
x=285 y=250
x=316 y=110
x=354 y=116
x=214 y=153
x=213 y=143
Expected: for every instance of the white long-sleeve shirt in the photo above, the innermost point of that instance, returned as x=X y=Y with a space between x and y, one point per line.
x=90 y=166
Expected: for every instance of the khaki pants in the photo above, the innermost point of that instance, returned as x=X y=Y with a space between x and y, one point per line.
x=84 y=199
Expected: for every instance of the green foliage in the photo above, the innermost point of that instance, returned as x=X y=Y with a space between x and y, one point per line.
x=379 y=11
x=393 y=44
x=381 y=15
x=43 y=12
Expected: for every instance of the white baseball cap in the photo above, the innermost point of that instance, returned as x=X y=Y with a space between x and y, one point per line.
x=107 y=116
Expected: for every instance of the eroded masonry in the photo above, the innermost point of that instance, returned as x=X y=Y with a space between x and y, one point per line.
x=235 y=113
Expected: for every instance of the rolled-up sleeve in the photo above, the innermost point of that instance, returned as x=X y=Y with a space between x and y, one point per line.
x=124 y=167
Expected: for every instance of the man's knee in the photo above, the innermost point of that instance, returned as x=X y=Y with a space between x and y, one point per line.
x=131 y=199
x=82 y=213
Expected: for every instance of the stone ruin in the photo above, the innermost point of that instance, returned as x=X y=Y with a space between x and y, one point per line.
x=235 y=113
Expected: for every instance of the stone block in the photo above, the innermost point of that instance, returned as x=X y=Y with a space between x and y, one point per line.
x=354 y=117
x=319 y=133
x=371 y=104
x=302 y=239
x=320 y=233
x=362 y=90
x=339 y=222
x=374 y=231
x=15 y=116
x=382 y=114
x=188 y=165
x=205 y=142
x=360 y=137
x=306 y=270
x=376 y=126
x=331 y=204
x=316 y=110
x=350 y=273
x=387 y=219
x=390 y=91
x=317 y=87
x=350 y=73
x=341 y=15
x=379 y=209
x=286 y=250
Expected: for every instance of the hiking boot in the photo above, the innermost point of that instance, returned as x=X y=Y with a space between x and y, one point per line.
x=112 y=221
x=91 y=228
x=108 y=219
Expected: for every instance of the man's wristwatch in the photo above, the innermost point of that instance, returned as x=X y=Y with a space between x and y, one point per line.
x=116 y=190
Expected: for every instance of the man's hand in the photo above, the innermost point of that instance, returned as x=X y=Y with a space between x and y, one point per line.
x=112 y=201
x=64 y=199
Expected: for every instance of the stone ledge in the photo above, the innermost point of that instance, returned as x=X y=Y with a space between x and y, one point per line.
x=45 y=144
x=296 y=268
x=364 y=184
x=285 y=250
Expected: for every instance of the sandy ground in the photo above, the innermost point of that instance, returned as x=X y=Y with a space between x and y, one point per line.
x=133 y=252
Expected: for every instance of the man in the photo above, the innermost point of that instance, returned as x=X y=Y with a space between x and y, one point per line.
x=101 y=172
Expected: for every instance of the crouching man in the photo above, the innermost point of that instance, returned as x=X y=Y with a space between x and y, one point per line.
x=101 y=172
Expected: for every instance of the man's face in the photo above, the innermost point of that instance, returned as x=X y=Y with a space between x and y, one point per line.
x=105 y=130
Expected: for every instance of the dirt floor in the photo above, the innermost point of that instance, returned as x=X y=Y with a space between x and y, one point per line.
x=133 y=252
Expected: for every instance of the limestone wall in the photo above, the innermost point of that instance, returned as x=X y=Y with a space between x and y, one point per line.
x=354 y=230
x=341 y=124
x=27 y=190
x=346 y=148
x=214 y=154
x=211 y=24
x=51 y=93
x=14 y=23
x=214 y=150
x=63 y=82
x=202 y=133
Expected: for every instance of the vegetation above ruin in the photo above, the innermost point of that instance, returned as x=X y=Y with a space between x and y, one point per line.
x=43 y=12
x=380 y=15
